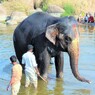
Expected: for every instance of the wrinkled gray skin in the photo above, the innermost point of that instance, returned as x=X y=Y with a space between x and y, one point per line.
x=50 y=36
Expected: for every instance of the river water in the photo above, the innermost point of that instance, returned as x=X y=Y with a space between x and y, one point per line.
x=68 y=85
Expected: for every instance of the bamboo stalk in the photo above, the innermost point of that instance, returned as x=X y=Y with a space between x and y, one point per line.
x=42 y=78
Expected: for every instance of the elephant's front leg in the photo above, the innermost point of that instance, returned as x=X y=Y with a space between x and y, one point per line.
x=59 y=61
x=44 y=64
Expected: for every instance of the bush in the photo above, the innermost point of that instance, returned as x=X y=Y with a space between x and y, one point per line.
x=69 y=10
x=44 y=5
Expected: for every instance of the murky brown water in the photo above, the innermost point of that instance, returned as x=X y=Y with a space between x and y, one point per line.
x=69 y=85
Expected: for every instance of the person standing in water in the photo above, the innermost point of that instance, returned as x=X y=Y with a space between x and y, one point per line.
x=31 y=70
x=16 y=76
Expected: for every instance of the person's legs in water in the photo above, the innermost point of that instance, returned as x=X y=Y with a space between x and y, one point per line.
x=34 y=80
x=15 y=88
x=27 y=80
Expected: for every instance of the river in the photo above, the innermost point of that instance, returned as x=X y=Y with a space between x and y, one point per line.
x=68 y=85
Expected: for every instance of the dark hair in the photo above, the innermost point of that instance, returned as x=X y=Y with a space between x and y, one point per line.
x=30 y=47
x=13 y=58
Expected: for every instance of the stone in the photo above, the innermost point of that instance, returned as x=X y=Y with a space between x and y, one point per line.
x=55 y=9
x=2 y=13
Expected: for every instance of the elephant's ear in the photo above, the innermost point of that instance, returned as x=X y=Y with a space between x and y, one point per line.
x=51 y=33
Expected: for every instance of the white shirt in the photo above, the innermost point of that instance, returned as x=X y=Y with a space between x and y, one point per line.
x=86 y=18
x=29 y=60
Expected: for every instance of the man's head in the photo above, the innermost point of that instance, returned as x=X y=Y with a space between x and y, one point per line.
x=13 y=58
x=30 y=47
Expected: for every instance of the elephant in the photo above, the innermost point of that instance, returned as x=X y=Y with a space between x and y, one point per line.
x=51 y=37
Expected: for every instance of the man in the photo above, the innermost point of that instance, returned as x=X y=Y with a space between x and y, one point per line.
x=86 y=18
x=31 y=69
x=91 y=19
x=16 y=76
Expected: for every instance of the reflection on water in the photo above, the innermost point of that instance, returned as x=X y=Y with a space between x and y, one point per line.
x=82 y=92
x=53 y=87
x=68 y=85
x=90 y=29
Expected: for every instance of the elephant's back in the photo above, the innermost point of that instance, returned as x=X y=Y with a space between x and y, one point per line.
x=37 y=23
x=34 y=25
x=40 y=17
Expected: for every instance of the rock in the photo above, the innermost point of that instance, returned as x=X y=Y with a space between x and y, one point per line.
x=36 y=10
x=55 y=9
x=37 y=3
x=15 y=18
x=2 y=13
x=18 y=16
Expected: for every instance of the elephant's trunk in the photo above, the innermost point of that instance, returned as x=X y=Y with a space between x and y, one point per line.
x=73 y=51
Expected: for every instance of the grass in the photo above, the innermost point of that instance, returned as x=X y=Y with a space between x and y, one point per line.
x=69 y=10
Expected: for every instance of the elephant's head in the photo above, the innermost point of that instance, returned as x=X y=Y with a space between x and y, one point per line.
x=66 y=33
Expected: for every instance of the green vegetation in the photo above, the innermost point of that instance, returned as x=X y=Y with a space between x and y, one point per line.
x=2 y=0
x=76 y=7
x=69 y=10
x=44 y=5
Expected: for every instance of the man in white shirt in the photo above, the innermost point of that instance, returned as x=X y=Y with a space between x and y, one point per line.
x=31 y=69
